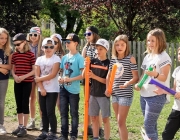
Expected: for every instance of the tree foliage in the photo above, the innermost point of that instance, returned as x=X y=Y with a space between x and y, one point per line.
x=16 y=15
x=66 y=20
x=133 y=17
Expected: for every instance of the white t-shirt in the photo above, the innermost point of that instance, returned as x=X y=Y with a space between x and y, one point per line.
x=176 y=76
x=159 y=61
x=46 y=65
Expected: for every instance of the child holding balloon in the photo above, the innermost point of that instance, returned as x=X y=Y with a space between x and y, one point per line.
x=98 y=100
x=126 y=75
x=151 y=103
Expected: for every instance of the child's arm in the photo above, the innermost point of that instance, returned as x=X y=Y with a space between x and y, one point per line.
x=107 y=83
x=16 y=78
x=84 y=52
x=50 y=76
x=97 y=78
x=39 y=84
x=60 y=79
x=135 y=77
x=7 y=66
x=21 y=78
x=79 y=77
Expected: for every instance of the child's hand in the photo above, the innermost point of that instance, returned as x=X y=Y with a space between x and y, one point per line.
x=91 y=74
x=136 y=87
x=67 y=79
x=16 y=78
x=177 y=95
x=61 y=80
x=21 y=78
x=151 y=73
x=107 y=93
x=86 y=63
x=43 y=92
x=4 y=71
x=125 y=85
x=37 y=79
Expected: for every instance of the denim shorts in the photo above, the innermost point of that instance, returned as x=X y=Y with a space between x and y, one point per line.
x=123 y=101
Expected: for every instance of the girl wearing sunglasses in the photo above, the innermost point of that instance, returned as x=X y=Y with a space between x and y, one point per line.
x=91 y=36
x=59 y=52
x=23 y=61
x=5 y=66
x=35 y=38
x=46 y=78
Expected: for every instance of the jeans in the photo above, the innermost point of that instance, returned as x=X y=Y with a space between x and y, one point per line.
x=47 y=106
x=151 y=108
x=3 y=90
x=68 y=99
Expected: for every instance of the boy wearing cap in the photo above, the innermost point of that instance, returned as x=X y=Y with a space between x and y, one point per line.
x=98 y=100
x=46 y=77
x=71 y=67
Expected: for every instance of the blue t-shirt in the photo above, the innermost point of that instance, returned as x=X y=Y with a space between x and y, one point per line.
x=3 y=60
x=72 y=66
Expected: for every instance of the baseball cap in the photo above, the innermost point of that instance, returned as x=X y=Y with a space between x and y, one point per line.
x=72 y=37
x=93 y=29
x=103 y=42
x=35 y=30
x=58 y=36
x=19 y=37
x=48 y=41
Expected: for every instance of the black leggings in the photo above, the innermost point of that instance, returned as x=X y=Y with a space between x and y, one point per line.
x=22 y=93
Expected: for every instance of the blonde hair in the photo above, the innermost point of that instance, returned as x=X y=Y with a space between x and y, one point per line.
x=26 y=47
x=40 y=38
x=160 y=40
x=125 y=39
x=7 y=47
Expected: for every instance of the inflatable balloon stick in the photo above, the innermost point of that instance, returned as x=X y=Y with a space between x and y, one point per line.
x=112 y=76
x=145 y=76
x=86 y=101
x=152 y=81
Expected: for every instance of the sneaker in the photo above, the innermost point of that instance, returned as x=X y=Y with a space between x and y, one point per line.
x=15 y=132
x=2 y=130
x=31 y=125
x=22 y=132
x=90 y=131
x=63 y=138
x=73 y=138
x=101 y=133
x=41 y=126
x=42 y=136
x=52 y=136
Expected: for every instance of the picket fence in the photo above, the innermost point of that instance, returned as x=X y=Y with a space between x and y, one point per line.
x=137 y=49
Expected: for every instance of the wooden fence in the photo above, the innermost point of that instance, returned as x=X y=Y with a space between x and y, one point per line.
x=137 y=50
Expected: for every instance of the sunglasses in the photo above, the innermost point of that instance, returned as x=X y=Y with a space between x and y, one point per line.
x=55 y=42
x=50 y=47
x=35 y=35
x=87 y=34
x=67 y=41
x=18 y=44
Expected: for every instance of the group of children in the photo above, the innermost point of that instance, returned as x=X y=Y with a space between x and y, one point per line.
x=57 y=76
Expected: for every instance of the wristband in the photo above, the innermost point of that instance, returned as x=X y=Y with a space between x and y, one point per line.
x=156 y=76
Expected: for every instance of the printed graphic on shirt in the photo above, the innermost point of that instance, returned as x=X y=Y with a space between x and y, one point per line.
x=68 y=71
x=46 y=69
x=119 y=71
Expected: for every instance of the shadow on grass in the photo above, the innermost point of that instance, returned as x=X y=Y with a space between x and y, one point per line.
x=12 y=137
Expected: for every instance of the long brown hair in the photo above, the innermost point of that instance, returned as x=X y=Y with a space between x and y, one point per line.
x=7 y=47
x=160 y=40
x=125 y=39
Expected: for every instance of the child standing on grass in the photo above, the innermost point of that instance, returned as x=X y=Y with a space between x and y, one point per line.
x=72 y=65
x=46 y=77
x=35 y=38
x=126 y=76
x=59 y=52
x=5 y=66
x=151 y=103
x=98 y=100
x=91 y=35
x=173 y=121
x=22 y=70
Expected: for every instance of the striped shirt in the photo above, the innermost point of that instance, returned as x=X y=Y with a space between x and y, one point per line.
x=23 y=63
x=123 y=74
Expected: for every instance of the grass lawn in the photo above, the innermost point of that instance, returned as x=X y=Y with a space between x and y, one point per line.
x=134 y=121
